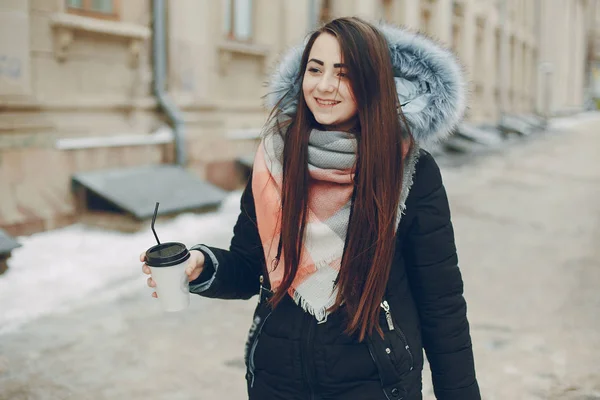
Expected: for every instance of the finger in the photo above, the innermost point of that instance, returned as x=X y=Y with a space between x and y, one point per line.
x=154 y=295
x=143 y=256
x=189 y=269
x=151 y=282
x=146 y=269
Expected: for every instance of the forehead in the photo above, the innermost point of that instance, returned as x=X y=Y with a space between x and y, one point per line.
x=326 y=48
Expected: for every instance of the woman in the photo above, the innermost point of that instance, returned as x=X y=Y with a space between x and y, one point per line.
x=345 y=231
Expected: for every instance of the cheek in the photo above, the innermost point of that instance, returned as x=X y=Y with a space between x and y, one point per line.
x=307 y=87
x=346 y=92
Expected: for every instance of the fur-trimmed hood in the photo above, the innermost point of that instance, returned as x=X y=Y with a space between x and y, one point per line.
x=429 y=82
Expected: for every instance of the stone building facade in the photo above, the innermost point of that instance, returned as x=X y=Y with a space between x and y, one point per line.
x=76 y=79
x=593 y=72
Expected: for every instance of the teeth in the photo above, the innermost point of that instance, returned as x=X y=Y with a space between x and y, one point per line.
x=328 y=103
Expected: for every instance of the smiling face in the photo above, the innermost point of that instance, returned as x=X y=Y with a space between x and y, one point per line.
x=326 y=88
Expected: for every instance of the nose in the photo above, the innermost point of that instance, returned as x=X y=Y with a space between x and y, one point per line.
x=327 y=83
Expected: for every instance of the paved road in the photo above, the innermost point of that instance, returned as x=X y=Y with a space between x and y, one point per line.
x=527 y=221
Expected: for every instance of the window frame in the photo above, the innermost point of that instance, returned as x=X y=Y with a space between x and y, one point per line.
x=86 y=11
x=325 y=13
x=230 y=34
x=386 y=10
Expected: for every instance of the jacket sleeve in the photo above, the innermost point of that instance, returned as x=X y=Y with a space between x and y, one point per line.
x=437 y=287
x=234 y=273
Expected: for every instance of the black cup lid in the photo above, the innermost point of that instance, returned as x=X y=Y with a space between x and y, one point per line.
x=166 y=254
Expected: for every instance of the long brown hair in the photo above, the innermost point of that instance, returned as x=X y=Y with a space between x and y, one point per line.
x=383 y=141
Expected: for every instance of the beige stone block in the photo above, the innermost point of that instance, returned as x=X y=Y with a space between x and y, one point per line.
x=196 y=150
x=104 y=121
x=13 y=5
x=366 y=9
x=36 y=165
x=27 y=121
x=243 y=80
x=11 y=166
x=296 y=17
x=46 y=5
x=82 y=160
x=131 y=156
x=52 y=79
x=42 y=35
x=30 y=202
x=98 y=158
x=61 y=161
x=108 y=79
x=56 y=201
x=9 y=212
x=118 y=154
x=14 y=53
x=60 y=221
x=136 y=11
x=93 y=46
x=108 y=158
x=184 y=74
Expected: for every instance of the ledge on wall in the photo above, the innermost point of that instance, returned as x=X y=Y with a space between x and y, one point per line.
x=66 y=24
x=228 y=48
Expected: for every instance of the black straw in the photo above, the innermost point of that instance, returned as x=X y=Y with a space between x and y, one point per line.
x=153 y=220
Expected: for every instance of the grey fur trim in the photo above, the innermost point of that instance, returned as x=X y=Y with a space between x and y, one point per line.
x=429 y=82
x=409 y=173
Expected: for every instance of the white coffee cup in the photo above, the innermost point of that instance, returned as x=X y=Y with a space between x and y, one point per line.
x=167 y=262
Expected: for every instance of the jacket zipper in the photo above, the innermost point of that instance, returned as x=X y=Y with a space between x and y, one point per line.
x=253 y=350
x=390 y=322
x=261 y=279
x=307 y=359
x=388 y=314
x=255 y=343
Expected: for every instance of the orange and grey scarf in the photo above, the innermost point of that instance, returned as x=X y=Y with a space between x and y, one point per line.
x=331 y=161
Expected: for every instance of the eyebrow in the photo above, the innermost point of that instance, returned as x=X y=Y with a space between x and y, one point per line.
x=338 y=65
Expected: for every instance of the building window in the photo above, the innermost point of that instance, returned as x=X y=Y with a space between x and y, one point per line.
x=325 y=12
x=105 y=9
x=425 y=22
x=238 y=17
x=385 y=10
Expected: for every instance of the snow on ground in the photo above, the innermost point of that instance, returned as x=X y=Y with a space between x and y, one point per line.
x=569 y=122
x=57 y=270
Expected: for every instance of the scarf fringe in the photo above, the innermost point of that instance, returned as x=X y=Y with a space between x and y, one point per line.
x=319 y=314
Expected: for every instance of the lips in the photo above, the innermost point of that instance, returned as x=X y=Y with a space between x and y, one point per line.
x=327 y=103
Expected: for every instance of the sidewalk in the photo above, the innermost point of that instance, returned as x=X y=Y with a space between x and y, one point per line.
x=527 y=223
x=528 y=226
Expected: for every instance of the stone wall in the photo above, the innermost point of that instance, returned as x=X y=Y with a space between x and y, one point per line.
x=68 y=78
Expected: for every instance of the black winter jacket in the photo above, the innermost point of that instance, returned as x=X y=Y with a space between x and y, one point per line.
x=289 y=356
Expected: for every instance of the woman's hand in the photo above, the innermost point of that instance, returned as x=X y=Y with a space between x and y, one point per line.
x=193 y=269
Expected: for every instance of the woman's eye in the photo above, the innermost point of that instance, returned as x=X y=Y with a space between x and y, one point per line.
x=313 y=70
x=342 y=75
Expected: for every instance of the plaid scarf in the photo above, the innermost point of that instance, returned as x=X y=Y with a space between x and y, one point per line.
x=331 y=162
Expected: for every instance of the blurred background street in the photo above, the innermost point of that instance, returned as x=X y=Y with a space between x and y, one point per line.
x=527 y=224
x=108 y=106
